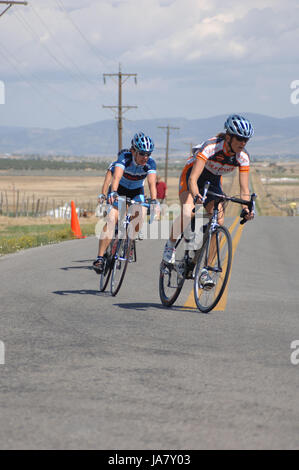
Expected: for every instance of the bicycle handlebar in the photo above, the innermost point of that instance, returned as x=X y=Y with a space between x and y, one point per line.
x=250 y=204
x=130 y=201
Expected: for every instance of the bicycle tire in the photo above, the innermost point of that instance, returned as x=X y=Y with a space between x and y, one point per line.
x=206 y=300
x=105 y=275
x=120 y=264
x=169 y=275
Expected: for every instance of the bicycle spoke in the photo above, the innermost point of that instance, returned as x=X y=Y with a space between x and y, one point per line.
x=108 y=260
x=218 y=267
x=172 y=277
x=121 y=260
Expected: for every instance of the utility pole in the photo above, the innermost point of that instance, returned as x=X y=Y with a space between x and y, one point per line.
x=167 y=149
x=10 y=4
x=190 y=144
x=120 y=107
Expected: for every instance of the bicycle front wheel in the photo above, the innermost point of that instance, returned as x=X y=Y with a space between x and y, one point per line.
x=172 y=276
x=216 y=257
x=108 y=266
x=124 y=253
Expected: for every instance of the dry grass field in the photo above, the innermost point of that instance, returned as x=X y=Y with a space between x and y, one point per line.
x=77 y=188
x=267 y=179
x=277 y=185
x=58 y=188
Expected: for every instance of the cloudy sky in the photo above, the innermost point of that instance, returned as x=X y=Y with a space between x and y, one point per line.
x=194 y=58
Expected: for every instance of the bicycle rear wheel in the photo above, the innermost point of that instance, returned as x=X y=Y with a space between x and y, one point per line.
x=122 y=257
x=219 y=255
x=108 y=265
x=172 y=276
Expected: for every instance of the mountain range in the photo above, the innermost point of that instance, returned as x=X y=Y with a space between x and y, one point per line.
x=273 y=137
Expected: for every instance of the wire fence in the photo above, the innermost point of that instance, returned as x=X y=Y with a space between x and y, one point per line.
x=16 y=203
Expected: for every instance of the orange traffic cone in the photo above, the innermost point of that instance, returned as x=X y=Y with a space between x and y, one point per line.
x=75 y=226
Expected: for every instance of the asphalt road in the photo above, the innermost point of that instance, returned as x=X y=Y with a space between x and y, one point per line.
x=85 y=370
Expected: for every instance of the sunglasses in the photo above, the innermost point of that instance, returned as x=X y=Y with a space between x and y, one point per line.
x=241 y=139
x=143 y=154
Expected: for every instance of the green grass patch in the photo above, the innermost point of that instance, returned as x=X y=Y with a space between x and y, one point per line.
x=34 y=229
x=21 y=237
x=284 y=183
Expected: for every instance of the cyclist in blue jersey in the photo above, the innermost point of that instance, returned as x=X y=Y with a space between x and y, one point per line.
x=130 y=171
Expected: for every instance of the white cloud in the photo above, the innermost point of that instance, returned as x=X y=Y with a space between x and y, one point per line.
x=164 y=41
x=155 y=30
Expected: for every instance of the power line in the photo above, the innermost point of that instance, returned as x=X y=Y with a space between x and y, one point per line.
x=120 y=107
x=39 y=79
x=7 y=57
x=61 y=64
x=35 y=35
x=90 y=45
x=85 y=77
x=94 y=49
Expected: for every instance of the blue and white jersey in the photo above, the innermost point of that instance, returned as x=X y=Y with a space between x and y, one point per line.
x=111 y=167
x=134 y=175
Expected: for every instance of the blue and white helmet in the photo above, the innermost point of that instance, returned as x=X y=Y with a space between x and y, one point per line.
x=142 y=143
x=239 y=126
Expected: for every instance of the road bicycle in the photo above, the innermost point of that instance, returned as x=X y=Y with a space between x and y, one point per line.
x=214 y=255
x=121 y=250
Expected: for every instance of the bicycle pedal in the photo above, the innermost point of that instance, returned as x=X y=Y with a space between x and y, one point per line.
x=208 y=288
x=97 y=271
x=164 y=269
x=205 y=288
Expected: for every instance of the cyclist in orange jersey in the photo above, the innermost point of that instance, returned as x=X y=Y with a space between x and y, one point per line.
x=211 y=160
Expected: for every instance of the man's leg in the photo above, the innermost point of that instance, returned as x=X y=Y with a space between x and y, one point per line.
x=178 y=226
x=105 y=239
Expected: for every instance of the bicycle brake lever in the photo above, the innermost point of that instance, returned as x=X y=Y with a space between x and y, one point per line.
x=251 y=208
x=242 y=215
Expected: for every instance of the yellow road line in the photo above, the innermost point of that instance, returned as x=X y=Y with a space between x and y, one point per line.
x=190 y=303
x=222 y=302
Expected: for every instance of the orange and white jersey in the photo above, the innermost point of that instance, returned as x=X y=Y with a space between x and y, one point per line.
x=218 y=160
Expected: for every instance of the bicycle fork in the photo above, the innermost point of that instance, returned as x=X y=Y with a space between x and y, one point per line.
x=208 y=257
